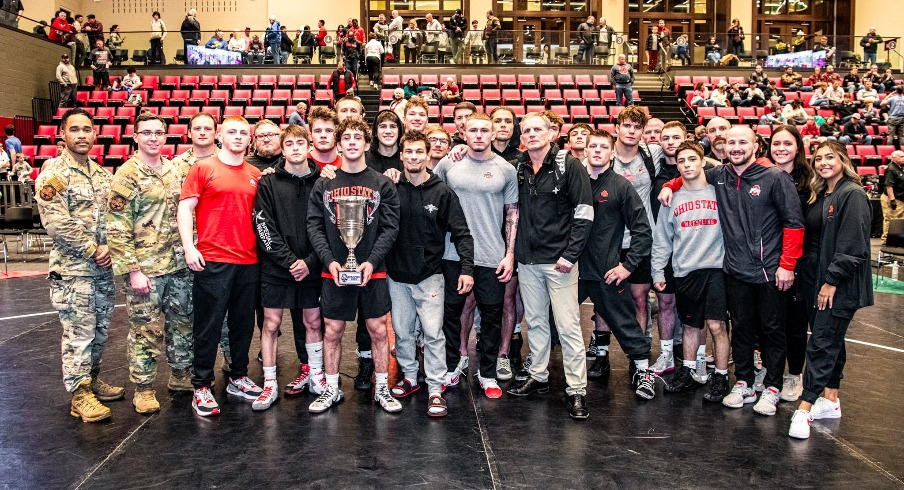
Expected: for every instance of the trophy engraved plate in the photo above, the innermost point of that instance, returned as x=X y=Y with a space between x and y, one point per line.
x=350 y=217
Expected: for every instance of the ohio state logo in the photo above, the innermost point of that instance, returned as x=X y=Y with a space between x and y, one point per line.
x=755 y=191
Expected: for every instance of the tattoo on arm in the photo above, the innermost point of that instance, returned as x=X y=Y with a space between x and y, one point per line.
x=511 y=227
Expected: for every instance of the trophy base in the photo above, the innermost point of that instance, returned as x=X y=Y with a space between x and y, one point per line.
x=350 y=278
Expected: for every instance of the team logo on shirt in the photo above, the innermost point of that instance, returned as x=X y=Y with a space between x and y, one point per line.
x=253 y=183
x=831 y=211
x=488 y=175
x=431 y=208
x=755 y=191
x=604 y=196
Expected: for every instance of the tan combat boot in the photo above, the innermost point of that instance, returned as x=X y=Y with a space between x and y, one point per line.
x=145 y=401
x=180 y=380
x=106 y=392
x=86 y=406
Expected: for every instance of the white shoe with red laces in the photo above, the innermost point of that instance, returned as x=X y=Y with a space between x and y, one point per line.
x=268 y=397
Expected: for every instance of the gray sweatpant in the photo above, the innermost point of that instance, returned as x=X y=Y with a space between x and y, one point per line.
x=424 y=301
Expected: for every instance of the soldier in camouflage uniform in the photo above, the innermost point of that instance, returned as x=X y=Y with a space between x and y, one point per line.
x=72 y=198
x=147 y=251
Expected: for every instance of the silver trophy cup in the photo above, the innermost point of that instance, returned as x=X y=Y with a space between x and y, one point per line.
x=350 y=214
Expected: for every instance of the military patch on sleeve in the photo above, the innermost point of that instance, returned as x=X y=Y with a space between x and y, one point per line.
x=117 y=203
x=48 y=192
x=52 y=186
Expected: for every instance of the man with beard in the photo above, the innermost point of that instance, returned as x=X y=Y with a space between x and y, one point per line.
x=716 y=130
x=266 y=152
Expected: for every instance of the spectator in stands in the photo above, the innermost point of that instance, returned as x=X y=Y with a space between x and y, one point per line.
x=373 y=59
x=719 y=96
x=399 y=102
x=381 y=28
x=887 y=80
x=735 y=38
x=247 y=38
x=773 y=91
x=824 y=45
x=12 y=144
x=852 y=82
x=274 y=40
x=412 y=39
x=256 y=51
x=701 y=137
x=665 y=44
x=846 y=109
x=236 y=42
x=60 y=29
x=94 y=30
x=810 y=132
x=870 y=45
x=794 y=112
x=191 y=31
x=351 y=50
x=299 y=115
x=817 y=77
x=752 y=95
x=820 y=97
x=396 y=27
x=868 y=95
x=791 y=79
x=358 y=31
x=873 y=76
x=871 y=115
x=759 y=77
x=855 y=132
x=158 y=34
x=68 y=78
x=586 y=40
x=735 y=94
x=831 y=76
x=458 y=27
x=11 y=12
x=491 y=36
x=835 y=93
x=4 y=167
x=100 y=59
x=285 y=45
x=114 y=40
x=654 y=46
x=321 y=34
x=449 y=92
x=773 y=114
x=474 y=43
x=412 y=88
x=892 y=199
x=81 y=39
x=22 y=169
x=700 y=95
x=605 y=38
x=217 y=41
x=131 y=81
x=306 y=39
x=830 y=129
x=40 y=29
x=341 y=80
x=895 y=105
x=713 y=50
x=622 y=76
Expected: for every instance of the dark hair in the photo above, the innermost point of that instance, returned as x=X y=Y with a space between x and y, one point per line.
x=9 y=129
x=148 y=116
x=91 y=16
x=131 y=69
x=601 y=133
x=157 y=14
x=414 y=136
x=354 y=124
x=801 y=172
x=113 y=27
x=690 y=145
x=78 y=111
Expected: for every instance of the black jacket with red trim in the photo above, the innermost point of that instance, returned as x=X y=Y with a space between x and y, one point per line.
x=762 y=220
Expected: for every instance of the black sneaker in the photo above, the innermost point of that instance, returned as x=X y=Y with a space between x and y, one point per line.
x=600 y=367
x=591 y=348
x=718 y=388
x=577 y=407
x=523 y=374
x=365 y=373
x=645 y=382
x=682 y=381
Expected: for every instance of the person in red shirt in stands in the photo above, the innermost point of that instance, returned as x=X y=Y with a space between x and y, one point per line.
x=341 y=80
x=219 y=194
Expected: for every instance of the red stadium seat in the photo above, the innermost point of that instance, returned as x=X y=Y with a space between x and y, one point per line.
x=30 y=151
x=527 y=82
x=601 y=81
x=579 y=113
x=599 y=114
x=199 y=97
x=572 y=97
x=227 y=82
x=159 y=98
x=118 y=98
x=46 y=135
x=390 y=81
x=169 y=114
x=548 y=82
x=492 y=96
x=583 y=82
x=97 y=154
x=254 y=113
x=281 y=97
x=511 y=96
x=705 y=113
x=277 y=114
x=170 y=82
x=471 y=95
x=727 y=113
x=150 y=82
x=531 y=97
x=323 y=97
x=98 y=98
x=285 y=82
x=176 y=133
x=267 y=82
x=104 y=115
x=553 y=96
x=241 y=97
x=470 y=81
x=180 y=149
x=867 y=171
x=566 y=82
x=109 y=134
x=590 y=97
x=214 y=111
x=261 y=97
x=747 y=114
x=306 y=81
x=432 y=80
x=189 y=82
x=508 y=81
x=117 y=154
x=232 y=111
x=324 y=82
x=187 y=113
x=218 y=97
x=179 y=97
x=247 y=82
x=168 y=151
x=489 y=81
x=301 y=95
x=207 y=82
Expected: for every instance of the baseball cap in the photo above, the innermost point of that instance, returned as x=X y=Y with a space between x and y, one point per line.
x=856 y=114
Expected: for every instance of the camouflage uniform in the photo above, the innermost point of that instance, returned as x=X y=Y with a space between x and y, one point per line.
x=184 y=162
x=143 y=236
x=72 y=199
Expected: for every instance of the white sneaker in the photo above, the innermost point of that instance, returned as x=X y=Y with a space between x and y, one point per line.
x=792 y=387
x=331 y=395
x=244 y=388
x=800 y=424
x=767 y=403
x=739 y=396
x=824 y=409
x=386 y=400
x=490 y=388
x=758 y=377
x=317 y=383
x=451 y=379
x=268 y=397
x=699 y=373
x=665 y=363
x=503 y=369
x=462 y=366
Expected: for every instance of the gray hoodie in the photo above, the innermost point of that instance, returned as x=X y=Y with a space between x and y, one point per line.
x=689 y=232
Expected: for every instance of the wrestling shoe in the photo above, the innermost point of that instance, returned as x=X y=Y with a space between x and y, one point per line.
x=664 y=364
x=332 y=395
x=718 y=385
x=385 y=399
x=300 y=383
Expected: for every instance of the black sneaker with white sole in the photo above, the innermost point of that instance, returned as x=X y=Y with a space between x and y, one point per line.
x=645 y=383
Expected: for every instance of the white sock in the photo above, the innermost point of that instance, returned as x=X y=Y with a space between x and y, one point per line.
x=333 y=380
x=269 y=375
x=364 y=354
x=381 y=378
x=666 y=345
x=690 y=364
x=721 y=371
x=701 y=352
x=642 y=364
x=603 y=348
x=315 y=356
x=517 y=328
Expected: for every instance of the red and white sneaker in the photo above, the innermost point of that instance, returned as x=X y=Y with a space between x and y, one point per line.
x=268 y=397
x=317 y=383
x=244 y=388
x=490 y=388
x=204 y=403
x=301 y=382
x=452 y=379
x=825 y=409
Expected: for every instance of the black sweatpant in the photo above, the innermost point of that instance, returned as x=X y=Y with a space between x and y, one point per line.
x=796 y=323
x=489 y=293
x=616 y=305
x=757 y=311
x=826 y=354
x=220 y=289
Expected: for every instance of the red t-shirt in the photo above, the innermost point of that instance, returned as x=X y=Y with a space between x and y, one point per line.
x=225 y=209
x=336 y=163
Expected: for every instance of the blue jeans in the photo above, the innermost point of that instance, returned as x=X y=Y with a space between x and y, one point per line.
x=351 y=64
x=274 y=51
x=869 y=59
x=625 y=91
x=714 y=57
x=585 y=53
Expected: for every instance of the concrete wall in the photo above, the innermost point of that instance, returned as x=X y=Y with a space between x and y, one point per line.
x=28 y=64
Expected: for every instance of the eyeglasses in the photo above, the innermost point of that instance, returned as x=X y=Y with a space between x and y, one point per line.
x=266 y=136
x=148 y=133
x=438 y=141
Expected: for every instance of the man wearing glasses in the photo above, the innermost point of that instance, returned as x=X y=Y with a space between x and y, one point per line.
x=220 y=193
x=266 y=145
x=440 y=143
x=146 y=251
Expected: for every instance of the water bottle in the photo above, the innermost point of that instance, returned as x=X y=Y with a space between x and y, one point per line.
x=894 y=271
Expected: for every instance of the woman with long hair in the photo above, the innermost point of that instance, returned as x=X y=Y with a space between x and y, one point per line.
x=786 y=150
x=834 y=277
x=735 y=37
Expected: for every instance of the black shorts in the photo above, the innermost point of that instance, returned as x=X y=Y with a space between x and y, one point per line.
x=304 y=296
x=342 y=302
x=643 y=274
x=700 y=296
